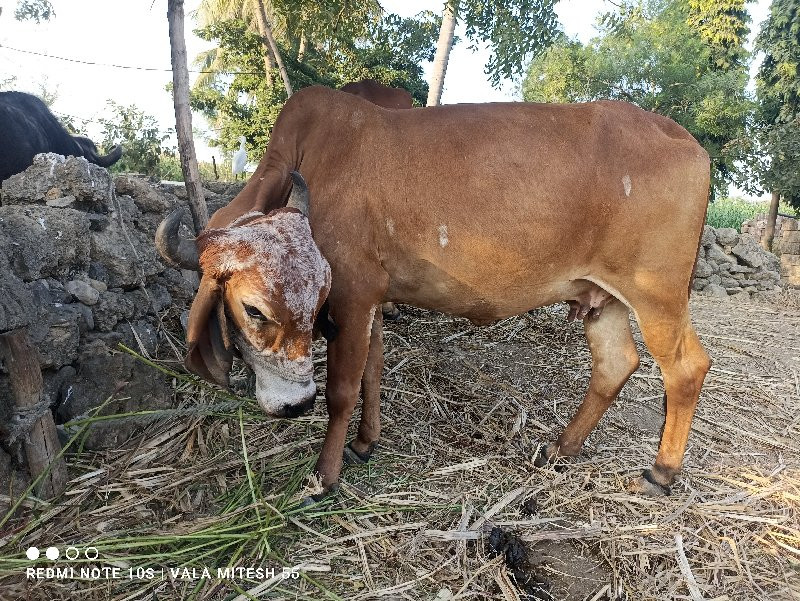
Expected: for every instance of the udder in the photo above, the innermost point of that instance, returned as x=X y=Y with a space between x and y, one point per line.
x=588 y=303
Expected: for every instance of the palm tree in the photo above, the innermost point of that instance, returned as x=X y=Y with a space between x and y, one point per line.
x=443 y=47
x=260 y=16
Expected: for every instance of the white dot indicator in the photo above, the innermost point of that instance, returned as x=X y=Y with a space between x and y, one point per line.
x=52 y=553
x=91 y=553
x=32 y=553
x=72 y=553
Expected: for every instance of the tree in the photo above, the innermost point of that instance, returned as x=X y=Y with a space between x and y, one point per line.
x=139 y=135
x=722 y=25
x=648 y=53
x=514 y=29
x=294 y=25
x=240 y=101
x=778 y=90
x=34 y=10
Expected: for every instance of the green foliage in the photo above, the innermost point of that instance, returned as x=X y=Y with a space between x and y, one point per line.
x=772 y=149
x=722 y=25
x=34 y=10
x=732 y=212
x=140 y=136
x=650 y=55
x=239 y=101
x=514 y=29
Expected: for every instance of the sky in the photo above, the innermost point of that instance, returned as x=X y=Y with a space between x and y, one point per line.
x=134 y=34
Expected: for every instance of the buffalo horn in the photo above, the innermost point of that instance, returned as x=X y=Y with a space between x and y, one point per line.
x=111 y=158
x=299 y=198
x=174 y=249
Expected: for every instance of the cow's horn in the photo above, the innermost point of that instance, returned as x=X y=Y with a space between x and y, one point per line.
x=177 y=251
x=299 y=198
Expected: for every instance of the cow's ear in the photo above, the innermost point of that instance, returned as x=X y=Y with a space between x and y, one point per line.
x=210 y=354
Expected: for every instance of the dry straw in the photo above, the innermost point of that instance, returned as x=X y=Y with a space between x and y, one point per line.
x=216 y=484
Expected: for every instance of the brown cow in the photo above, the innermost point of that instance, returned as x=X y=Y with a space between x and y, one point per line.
x=390 y=98
x=483 y=211
x=377 y=93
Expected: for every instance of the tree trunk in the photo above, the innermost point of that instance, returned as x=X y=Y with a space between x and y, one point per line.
x=443 y=47
x=772 y=218
x=183 y=116
x=269 y=65
x=264 y=24
x=301 y=51
x=41 y=440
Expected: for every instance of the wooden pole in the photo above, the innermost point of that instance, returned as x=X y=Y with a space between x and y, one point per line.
x=41 y=441
x=183 y=116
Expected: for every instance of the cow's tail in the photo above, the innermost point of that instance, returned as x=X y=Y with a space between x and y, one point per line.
x=109 y=159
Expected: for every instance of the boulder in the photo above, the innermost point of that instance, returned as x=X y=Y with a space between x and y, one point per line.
x=133 y=386
x=716 y=254
x=44 y=242
x=52 y=177
x=82 y=291
x=726 y=236
x=708 y=237
x=749 y=251
x=145 y=194
x=715 y=291
x=110 y=309
x=16 y=299
x=128 y=256
x=703 y=269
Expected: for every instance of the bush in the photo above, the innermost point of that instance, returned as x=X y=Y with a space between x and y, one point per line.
x=732 y=212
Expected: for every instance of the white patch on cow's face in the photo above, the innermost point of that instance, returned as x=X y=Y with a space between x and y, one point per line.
x=626 y=184
x=282 y=384
x=390 y=227
x=280 y=397
x=443 y=239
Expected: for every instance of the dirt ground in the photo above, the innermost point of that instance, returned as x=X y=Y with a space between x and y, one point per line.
x=452 y=507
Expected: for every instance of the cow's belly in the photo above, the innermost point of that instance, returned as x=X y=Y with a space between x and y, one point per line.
x=484 y=297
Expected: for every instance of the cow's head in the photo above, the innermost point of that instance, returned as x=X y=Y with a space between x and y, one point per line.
x=264 y=281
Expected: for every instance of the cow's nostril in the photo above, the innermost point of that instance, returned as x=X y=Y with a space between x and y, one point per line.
x=300 y=409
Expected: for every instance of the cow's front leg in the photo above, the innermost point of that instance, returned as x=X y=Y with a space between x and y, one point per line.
x=369 y=429
x=347 y=356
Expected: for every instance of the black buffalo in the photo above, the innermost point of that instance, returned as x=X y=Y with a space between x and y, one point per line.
x=27 y=127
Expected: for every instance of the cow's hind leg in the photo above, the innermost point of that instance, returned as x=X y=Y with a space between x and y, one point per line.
x=614 y=359
x=684 y=363
x=369 y=429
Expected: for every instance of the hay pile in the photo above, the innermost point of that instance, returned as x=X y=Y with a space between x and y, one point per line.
x=452 y=507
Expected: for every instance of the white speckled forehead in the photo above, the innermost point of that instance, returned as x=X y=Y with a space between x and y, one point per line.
x=280 y=248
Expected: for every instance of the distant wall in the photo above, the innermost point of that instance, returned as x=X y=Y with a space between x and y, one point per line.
x=786 y=243
x=731 y=264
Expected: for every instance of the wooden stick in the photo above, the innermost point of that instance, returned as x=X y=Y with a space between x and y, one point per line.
x=41 y=444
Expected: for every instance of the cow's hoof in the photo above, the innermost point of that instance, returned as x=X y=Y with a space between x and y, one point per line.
x=353 y=457
x=391 y=312
x=311 y=500
x=543 y=458
x=646 y=485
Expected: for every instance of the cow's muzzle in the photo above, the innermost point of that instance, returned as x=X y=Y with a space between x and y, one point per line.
x=279 y=397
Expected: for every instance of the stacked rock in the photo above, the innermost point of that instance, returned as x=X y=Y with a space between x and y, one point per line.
x=731 y=264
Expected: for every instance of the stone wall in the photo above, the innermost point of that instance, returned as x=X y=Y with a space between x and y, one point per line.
x=731 y=264
x=785 y=244
x=79 y=269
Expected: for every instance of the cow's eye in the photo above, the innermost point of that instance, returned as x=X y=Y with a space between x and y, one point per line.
x=255 y=313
